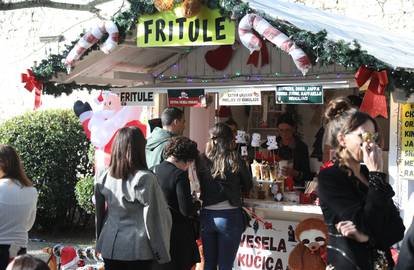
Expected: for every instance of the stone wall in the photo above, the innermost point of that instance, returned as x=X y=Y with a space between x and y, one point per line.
x=20 y=47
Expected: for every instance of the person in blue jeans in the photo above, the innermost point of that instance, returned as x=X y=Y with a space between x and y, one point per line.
x=223 y=176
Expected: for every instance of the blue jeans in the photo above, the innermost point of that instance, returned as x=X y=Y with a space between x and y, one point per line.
x=221 y=231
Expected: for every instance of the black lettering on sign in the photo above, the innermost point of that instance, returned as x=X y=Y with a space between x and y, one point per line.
x=408 y=133
x=409 y=163
x=122 y=96
x=170 y=30
x=409 y=144
x=180 y=22
x=159 y=29
x=193 y=30
x=220 y=27
x=409 y=124
x=206 y=38
x=147 y=30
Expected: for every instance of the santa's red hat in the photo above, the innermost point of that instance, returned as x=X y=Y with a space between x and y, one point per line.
x=68 y=258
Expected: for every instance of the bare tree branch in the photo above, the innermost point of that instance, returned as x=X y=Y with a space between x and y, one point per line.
x=91 y=6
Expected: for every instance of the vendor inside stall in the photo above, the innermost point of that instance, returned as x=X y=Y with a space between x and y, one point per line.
x=291 y=147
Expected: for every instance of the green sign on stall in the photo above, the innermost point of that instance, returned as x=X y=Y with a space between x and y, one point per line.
x=299 y=94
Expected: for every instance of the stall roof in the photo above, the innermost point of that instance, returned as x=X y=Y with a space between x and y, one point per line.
x=392 y=49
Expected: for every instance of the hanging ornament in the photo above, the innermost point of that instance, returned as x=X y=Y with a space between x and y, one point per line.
x=220 y=57
x=191 y=8
x=163 y=5
x=267 y=31
x=271 y=143
x=241 y=137
x=90 y=38
x=375 y=102
x=255 y=140
x=31 y=83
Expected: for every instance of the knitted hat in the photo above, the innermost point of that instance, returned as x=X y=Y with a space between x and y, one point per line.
x=68 y=258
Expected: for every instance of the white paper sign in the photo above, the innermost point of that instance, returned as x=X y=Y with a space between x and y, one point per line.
x=237 y=97
x=268 y=248
x=135 y=96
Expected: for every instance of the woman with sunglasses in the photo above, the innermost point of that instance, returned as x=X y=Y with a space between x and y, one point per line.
x=356 y=199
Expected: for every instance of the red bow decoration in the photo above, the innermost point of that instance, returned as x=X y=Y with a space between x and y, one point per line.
x=254 y=57
x=326 y=165
x=33 y=83
x=375 y=102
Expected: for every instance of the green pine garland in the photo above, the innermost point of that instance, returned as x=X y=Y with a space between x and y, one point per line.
x=316 y=45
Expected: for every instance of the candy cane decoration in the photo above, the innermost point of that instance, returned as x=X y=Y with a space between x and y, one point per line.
x=264 y=29
x=90 y=38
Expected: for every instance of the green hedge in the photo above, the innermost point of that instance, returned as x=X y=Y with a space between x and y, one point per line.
x=54 y=150
x=84 y=193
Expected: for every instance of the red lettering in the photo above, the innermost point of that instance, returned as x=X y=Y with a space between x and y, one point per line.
x=265 y=242
x=249 y=241
x=240 y=259
x=242 y=240
x=258 y=241
x=257 y=262
x=249 y=263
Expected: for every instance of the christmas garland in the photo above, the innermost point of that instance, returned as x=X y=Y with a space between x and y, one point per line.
x=316 y=46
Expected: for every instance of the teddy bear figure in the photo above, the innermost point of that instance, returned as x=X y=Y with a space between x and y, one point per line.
x=310 y=253
x=271 y=143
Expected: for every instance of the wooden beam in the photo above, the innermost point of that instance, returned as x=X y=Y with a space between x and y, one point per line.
x=133 y=76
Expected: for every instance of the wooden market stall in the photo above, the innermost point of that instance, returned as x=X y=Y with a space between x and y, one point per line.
x=218 y=69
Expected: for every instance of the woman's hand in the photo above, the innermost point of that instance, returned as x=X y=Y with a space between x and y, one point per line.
x=372 y=156
x=348 y=229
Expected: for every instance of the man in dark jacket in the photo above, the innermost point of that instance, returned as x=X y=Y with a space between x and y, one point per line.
x=406 y=257
x=173 y=123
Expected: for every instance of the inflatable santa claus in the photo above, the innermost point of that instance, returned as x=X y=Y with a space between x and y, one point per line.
x=101 y=126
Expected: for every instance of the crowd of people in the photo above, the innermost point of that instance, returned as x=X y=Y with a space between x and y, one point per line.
x=147 y=216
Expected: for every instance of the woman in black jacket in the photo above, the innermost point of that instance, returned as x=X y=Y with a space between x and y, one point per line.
x=356 y=199
x=223 y=176
x=172 y=174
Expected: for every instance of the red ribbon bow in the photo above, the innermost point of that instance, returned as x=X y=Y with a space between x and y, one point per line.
x=375 y=102
x=33 y=83
x=254 y=57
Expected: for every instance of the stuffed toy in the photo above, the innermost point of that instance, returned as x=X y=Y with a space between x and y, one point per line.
x=310 y=253
x=241 y=137
x=255 y=140
x=163 y=5
x=191 y=8
x=271 y=143
x=101 y=126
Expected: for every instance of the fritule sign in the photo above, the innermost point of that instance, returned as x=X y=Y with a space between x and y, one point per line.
x=171 y=28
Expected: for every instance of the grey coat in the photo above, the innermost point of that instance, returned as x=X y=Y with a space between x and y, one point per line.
x=137 y=222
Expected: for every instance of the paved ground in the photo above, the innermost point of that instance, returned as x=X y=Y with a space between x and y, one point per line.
x=76 y=239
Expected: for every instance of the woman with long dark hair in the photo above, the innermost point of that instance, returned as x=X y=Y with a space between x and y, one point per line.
x=356 y=199
x=18 y=199
x=223 y=177
x=135 y=228
x=179 y=153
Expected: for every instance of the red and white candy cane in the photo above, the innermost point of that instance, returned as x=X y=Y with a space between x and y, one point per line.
x=264 y=29
x=90 y=38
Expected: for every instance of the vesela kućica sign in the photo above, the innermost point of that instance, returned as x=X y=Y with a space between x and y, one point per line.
x=134 y=96
x=171 y=28
x=266 y=249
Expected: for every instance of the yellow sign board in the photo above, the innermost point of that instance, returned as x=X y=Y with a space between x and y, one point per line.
x=407 y=141
x=171 y=28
